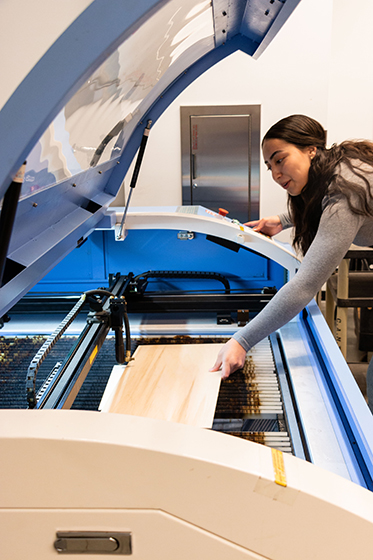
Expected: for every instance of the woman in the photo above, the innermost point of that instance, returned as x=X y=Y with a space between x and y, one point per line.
x=330 y=206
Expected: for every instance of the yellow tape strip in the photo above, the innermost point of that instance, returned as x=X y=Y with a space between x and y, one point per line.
x=279 y=467
x=93 y=355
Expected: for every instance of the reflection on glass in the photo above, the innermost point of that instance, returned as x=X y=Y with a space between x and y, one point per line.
x=197 y=29
x=97 y=122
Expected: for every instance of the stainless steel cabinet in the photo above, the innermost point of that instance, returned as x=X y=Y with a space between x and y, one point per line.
x=220 y=158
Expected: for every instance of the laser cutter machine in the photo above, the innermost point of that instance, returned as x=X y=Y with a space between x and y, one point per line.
x=275 y=462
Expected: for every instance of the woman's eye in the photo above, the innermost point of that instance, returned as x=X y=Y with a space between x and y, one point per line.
x=280 y=160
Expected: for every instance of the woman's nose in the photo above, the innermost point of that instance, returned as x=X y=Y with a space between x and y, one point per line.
x=276 y=174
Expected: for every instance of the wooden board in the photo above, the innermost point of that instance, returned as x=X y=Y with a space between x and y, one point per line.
x=168 y=382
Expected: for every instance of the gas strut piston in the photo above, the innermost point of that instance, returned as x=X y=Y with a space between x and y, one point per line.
x=121 y=236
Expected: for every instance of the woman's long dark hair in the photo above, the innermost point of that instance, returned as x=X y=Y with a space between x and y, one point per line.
x=306 y=208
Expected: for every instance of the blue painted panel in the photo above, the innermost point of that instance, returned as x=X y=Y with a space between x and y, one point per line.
x=83 y=269
x=145 y=250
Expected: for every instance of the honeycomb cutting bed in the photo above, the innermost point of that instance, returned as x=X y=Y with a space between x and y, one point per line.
x=249 y=403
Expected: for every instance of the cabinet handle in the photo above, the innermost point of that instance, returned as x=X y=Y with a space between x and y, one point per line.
x=93 y=542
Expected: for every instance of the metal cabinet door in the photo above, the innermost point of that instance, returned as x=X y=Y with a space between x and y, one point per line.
x=217 y=165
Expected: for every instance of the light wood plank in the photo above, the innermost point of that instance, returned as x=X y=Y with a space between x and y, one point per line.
x=168 y=382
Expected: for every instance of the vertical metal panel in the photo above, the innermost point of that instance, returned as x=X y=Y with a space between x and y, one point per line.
x=220 y=158
x=221 y=163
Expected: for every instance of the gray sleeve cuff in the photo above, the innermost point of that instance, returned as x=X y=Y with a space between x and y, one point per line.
x=238 y=337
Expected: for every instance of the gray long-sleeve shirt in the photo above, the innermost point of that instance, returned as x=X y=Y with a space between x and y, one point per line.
x=338 y=228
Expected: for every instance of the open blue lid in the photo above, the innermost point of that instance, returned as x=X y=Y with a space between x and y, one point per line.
x=78 y=117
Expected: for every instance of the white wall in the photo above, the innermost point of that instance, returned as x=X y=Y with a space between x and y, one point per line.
x=320 y=64
x=350 y=109
x=27 y=30
x=291 y=76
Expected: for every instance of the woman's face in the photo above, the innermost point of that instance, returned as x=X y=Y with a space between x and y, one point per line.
x=289 y=164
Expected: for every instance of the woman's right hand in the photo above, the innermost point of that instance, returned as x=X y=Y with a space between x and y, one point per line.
x=230 y=358
x=270 y=225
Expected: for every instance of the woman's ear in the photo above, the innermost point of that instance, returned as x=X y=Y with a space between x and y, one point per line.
x=312 y=151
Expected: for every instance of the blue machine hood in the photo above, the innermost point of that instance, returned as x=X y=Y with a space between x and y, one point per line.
x=79 y=115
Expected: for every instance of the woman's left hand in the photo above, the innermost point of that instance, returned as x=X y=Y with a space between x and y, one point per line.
x=230 y=358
